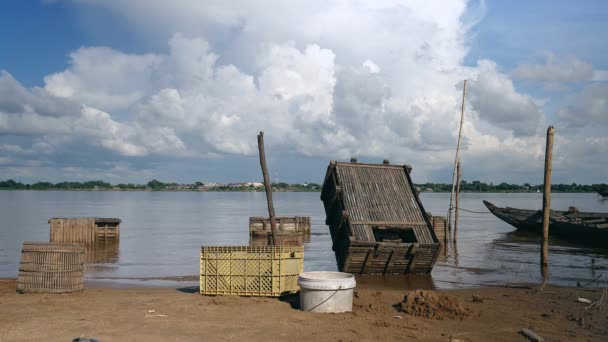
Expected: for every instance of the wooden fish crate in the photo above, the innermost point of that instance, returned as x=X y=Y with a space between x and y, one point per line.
x=290 y=239
x=85 y=230
x=440 y=227
x=51 y=267
x=376 y=220
x=286 y=225
x=269 y=271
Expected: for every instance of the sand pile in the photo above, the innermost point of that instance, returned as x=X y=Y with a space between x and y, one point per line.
x=433 y=305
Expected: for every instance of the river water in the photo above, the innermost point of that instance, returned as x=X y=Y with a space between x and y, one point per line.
x=161 y=235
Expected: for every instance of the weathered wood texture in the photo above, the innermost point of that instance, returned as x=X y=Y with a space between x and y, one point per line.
x=291 y=231
x=544 y=238
x=577 y=226
x=293 y=224
x=267 y=186
x=51 y=267
x=457 y=158
x=456 y=213
x=440 y=227
x=289 y=239
x=376 y=220
x=85 y=230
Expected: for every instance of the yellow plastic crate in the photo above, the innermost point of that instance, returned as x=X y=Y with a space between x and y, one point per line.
x=251 y=270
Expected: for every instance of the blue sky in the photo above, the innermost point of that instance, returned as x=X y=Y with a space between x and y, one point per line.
x=132 y=90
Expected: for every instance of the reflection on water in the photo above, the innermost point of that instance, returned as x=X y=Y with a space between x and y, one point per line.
x=162 y=232
x=102 y=252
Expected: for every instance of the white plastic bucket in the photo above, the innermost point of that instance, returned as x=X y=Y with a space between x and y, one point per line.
x=326 y=291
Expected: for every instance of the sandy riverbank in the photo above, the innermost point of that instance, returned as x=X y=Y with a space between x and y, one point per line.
x=111 y=314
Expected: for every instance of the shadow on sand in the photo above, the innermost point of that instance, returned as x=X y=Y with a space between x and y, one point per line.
x=190 y=289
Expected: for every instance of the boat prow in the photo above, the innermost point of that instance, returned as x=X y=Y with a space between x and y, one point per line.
x=523 y=219
x=587 y=227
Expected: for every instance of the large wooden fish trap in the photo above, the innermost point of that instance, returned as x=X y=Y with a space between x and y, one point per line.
x=85 y=230
x=51 y=267
x=377 y=222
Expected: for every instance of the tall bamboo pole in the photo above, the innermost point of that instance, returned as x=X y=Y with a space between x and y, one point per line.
x=273 y=224
x=458 y=177
x=457 y=158
x=544 y=240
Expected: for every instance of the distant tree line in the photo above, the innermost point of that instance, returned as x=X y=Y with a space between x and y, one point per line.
x=155 y=185
x=89 y=185
x=477 y=186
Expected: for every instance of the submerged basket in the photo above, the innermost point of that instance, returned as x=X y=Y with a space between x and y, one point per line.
x=251 y=270
x=51 y=267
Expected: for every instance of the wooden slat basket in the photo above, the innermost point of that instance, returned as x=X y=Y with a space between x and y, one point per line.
x=291 y=231
x=281 y=240
x=376 y=220
x=51 y=267
x=269 y=271
x=285 y=225
x=85 y=230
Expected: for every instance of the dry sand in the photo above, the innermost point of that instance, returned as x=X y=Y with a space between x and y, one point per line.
x=109 y=314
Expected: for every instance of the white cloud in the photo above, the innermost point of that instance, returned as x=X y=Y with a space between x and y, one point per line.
x=494 y=97
x=12 y=148
x=328 y=79
x=587 y=108
x=105 y=78
x=555 y=69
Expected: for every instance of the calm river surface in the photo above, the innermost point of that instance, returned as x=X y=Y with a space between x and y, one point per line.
x=161 y=234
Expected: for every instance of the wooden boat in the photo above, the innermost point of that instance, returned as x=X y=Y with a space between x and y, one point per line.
x=572 y=225
x=377 y=222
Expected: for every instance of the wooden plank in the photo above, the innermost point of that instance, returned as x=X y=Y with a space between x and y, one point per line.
x=267 y=186
x=413 y=253
x=390 y=262
x=388 y=223
x=367 y=261
x=371 y=166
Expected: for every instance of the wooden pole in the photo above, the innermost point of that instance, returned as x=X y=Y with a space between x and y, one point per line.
x=457 y=158
x=544 y=240
x=458 y=176
x=446 y=232
x=273 y=224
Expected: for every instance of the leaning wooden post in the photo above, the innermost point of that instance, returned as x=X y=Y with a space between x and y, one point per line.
x=544 y=239
x=458 y=176
x=273 y=224
x=457 y=158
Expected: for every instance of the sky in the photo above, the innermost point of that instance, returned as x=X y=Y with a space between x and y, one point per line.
x=128 y=91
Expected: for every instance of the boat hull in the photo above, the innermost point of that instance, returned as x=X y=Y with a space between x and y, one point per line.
x=567 y=225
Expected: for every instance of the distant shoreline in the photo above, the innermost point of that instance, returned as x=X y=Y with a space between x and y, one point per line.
x=280 y=190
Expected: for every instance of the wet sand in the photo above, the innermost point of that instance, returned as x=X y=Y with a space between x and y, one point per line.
x=122 y=314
